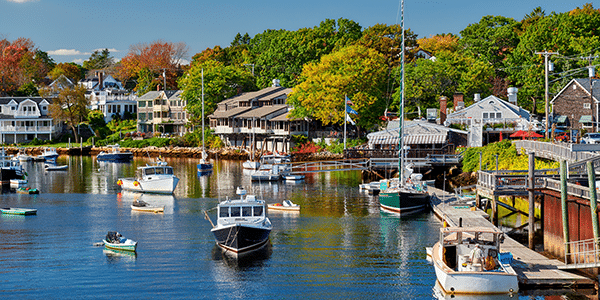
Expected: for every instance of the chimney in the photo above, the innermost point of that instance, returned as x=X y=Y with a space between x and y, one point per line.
x=476 y=98
x=276 y=83
x=512 y=95
x=458 y=101
x=100 y=80
x=443 y=108
x=158 y=87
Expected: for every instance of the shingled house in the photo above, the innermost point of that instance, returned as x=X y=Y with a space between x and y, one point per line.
x=575 y=107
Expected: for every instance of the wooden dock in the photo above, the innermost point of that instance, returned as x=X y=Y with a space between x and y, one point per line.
x=533 y=269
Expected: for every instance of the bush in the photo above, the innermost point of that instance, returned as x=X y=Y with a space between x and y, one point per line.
x=308 y=147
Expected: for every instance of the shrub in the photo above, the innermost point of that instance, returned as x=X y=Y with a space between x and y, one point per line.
x=308 y=147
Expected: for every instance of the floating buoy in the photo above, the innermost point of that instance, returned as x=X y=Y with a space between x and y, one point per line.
x=119 y=182
x=136 y=183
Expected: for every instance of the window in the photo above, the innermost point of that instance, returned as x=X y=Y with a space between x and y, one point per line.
x=150 y=171
x=169 y=170
x=44 y=108
x=587 y=105
x=142 y=116
x=149 y=103
x=235 y=211
x=224 y=212
x=486 y=115
x=142 y=104
x=160 y=170
x=247 y=211
x=258 y=210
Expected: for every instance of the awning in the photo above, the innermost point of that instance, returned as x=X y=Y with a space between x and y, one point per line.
x=560 y=119
x=585 y=119
x=425 y=139
x=384 y=140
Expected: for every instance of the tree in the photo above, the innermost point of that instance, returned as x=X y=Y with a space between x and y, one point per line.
x=70 y=107
x=21 y=63
x=220 y=82
x=70 y=70
x=354 y=71
x=99 y=60
x=159 y=58
x=440 y=42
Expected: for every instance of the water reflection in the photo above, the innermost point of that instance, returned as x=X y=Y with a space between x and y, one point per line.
x=126 y=198
x=244 y=261
x=439 y=294
x=115 y=256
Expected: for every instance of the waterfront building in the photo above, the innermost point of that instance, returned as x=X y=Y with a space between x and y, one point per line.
x=490 y=119
x=107 y=94
x=261 y=116
x=24 y=118
x=163 y=112
x=575 y=107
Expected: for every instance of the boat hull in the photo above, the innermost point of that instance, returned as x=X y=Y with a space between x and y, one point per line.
x=240 y=239
x=19 y=211
x=403 y=201
x=157 y=185
x=283 y=208
x=115 y=157
x=251 y=165
x=154 y=209
x=131 y=247
x=204 y=167
x=473 y=282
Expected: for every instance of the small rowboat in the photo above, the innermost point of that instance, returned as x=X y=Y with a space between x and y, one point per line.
x=27 y=190
x=18 y=211
x=286 y=205
x=140 y=205
x=116 y=241
x=55 y=168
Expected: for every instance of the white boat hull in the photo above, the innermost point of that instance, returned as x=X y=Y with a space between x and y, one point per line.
x=251 y=165
x=473 y=282
x=158 y=185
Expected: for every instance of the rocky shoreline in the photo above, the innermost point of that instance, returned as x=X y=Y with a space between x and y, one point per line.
x=185 y=152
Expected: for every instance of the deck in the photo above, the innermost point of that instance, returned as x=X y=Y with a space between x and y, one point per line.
x=533 y=269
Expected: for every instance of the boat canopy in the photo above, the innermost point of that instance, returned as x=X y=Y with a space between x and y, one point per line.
x=158 y=170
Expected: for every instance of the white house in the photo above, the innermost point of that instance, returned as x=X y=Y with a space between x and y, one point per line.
x=24 y=118
x=108 y=95
x=491 y=119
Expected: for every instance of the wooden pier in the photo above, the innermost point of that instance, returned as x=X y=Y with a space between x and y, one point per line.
x=533 y=269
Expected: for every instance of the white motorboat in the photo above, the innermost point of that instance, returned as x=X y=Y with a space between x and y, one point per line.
x=267 y=173
x=251 y=165
x=17 y=183
x=10 y=168
x=293 y=177
x=467 y=261
x=157 y=178
x=49 y=154
x=51 y=167
x=242 y=224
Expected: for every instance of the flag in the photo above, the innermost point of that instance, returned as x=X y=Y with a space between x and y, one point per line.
x=348 y=101
x=348 y=119
x=350 y=110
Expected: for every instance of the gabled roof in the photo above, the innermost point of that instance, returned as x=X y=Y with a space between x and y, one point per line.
x=271 y=92
x=229 y=113
x=584 y=83
x=262 y=112
x=38 y=100
x=491 y=102
x=284 y=117
x=170 y=95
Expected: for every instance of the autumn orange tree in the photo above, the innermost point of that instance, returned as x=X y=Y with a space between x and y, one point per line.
x=70 y=70
x=148 y=63
x=21 y=63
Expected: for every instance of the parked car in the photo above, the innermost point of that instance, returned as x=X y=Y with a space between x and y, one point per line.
x=591 y=138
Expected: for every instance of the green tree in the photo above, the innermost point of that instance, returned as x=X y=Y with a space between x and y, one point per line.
x=354 y=71
x=99 y=60
x=220 y=82
x=71 y=70
x=70 y=107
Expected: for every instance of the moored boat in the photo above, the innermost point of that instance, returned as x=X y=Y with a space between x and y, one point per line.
x=52 y=167
x=27 y=190
x=242 y=224
x=18 y=211
x=157 y=178
x=140 y=205
x=293 y=177
x=285 y=205
x=467 y=261
x=49 y=154
x=116 y=241
x=17 y=183
x=115 y=155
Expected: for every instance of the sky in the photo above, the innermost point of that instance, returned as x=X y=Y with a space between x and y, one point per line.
x=70 y=30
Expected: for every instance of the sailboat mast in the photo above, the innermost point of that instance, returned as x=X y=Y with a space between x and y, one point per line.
x=401 y=112
x=202 y=75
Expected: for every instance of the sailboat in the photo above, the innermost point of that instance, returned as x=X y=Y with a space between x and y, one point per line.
x=407 y=194
x=204 y=167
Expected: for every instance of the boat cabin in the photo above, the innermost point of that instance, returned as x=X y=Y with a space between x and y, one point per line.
x=249 y=209
x=459 y=245
x=156 y=170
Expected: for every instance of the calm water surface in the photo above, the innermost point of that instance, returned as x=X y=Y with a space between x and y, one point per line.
x=339 y=246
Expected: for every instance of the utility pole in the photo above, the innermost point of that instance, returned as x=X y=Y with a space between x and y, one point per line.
x=546 y=55
x=591 y=75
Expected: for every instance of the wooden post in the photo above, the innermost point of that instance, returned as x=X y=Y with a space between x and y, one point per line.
x=563 y=203
x=593 y=199
x=495 y=210
x=531 y=228
x=478 y=200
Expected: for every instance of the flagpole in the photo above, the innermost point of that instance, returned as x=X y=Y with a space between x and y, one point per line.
x=401 y=130
x=345 y=119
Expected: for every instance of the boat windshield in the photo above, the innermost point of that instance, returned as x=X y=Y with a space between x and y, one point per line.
x=224 y=212
x=160 y=170
x=258 y=211
x=149 y=171
x=235 y=211
x=247 y=211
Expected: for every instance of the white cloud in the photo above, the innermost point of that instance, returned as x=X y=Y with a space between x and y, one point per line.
x=67 y=52
x=78 y=61
x=111 y=50
x=22 y=1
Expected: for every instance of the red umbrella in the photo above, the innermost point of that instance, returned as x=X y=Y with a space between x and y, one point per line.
x=523 y=134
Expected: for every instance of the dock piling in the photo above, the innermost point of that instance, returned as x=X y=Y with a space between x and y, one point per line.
x=531 y=228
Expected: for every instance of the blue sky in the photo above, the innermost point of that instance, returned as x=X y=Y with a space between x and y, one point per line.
x=70 y=30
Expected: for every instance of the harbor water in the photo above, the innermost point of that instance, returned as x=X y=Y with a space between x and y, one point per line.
x=339 y=246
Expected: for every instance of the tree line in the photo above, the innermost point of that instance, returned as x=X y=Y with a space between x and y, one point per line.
x=339 y=58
